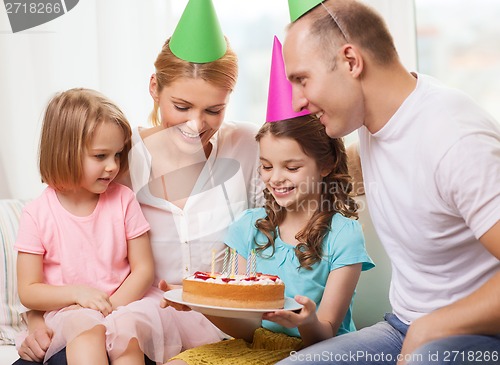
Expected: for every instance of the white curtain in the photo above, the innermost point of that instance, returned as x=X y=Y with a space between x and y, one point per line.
x=110 y=45
x=400 y=18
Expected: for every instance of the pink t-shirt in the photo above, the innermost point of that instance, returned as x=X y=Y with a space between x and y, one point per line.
x=88 y=250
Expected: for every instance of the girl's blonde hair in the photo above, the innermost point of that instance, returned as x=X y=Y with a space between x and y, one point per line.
x=329 y=154
x=70 y=121
x=222 y=72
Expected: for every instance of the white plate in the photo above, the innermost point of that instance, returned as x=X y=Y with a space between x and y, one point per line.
x=176 y=296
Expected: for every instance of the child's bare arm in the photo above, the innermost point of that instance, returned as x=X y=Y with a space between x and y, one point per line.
x=141 y=275
x=35 y=294
x=315 y=326
x=336 y=299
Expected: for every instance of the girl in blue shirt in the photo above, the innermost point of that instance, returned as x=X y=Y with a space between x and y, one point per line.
x=307 y=235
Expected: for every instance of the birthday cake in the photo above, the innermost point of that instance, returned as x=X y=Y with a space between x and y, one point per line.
x=257 y=291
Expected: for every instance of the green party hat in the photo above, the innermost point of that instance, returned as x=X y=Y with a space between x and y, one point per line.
x=298 y=8
x=198 y=36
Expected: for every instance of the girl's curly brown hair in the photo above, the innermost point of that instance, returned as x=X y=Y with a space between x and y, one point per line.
x=335 y=197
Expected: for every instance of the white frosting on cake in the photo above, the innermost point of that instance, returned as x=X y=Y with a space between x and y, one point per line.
x=238 y=279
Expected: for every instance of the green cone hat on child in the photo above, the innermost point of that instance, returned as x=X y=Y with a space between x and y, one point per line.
x=198 y=36
x=297 y=8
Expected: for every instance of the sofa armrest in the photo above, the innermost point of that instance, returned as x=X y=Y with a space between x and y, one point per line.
x=10 y=307
x=371 y=301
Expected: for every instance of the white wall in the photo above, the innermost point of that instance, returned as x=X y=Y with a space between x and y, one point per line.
x=106 y=45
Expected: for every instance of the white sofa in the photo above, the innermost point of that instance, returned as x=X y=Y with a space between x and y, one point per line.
x=8 y=354
x=371 y=300
x=10 y=319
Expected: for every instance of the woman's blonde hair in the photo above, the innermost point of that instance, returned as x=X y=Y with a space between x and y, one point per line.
x=329 y=154
x=222 y=72
x=69 y=123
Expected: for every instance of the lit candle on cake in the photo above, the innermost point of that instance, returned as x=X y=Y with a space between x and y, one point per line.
x=249 y=265
x=224 y=264
x=213 y=261
x=253 y=263
x=232 y=258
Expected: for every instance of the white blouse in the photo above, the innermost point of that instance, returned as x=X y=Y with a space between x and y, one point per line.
x=183 y=239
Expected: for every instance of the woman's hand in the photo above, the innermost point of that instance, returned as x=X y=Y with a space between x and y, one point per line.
x=164 y=303
x=35 y=345
x=38 y=340
x=92 y=298
x=292 y=319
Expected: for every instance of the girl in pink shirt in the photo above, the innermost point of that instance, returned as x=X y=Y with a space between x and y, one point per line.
x=84 y=256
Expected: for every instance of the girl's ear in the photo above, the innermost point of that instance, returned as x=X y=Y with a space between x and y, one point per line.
x=325 y=172
x=353 y=56
x=153 y=88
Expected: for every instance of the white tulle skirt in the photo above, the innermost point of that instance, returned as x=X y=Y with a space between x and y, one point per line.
x=160 y=332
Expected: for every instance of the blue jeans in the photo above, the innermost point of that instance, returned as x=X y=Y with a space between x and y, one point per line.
x=381 y=344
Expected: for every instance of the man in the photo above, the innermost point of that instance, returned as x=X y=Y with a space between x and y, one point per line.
x=431 y=167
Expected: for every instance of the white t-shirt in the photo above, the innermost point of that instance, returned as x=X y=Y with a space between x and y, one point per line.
x=183 y=239
x=432 y=180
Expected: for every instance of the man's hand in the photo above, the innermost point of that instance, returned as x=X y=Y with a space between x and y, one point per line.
x=35 y=345
x=423 y=330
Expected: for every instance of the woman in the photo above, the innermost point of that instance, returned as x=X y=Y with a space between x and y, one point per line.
x=192 y=173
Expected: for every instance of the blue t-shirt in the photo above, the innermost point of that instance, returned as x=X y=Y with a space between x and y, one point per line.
x=343 y=245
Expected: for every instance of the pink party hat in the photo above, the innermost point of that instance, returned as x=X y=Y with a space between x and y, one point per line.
x=279 y=98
